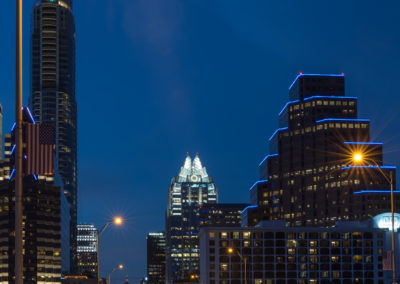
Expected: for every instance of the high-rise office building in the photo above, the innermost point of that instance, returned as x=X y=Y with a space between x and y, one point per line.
x=189 y=190
x=52 y=97
x=156 y=258
x=41 y=221
x=309 y=177
x=272 y=253
x=221 y=214
x=87 y=263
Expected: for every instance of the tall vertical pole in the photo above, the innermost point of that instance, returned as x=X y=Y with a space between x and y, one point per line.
x=18 y=152
x=392 y=209
x=97 y=256
x=245 y=270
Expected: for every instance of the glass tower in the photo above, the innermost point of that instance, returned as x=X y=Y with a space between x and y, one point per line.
x=188 y=191
x=309 y=177
x=156 y=258
x=87 y=250
x=52 y=97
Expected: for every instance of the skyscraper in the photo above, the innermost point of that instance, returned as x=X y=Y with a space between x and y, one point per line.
x=309 y=177
x=156 y=258
x=52 y=97
x=87 y=250
x=41 y=220
x=190 y=189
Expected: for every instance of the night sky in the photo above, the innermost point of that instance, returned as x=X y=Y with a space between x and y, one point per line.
x=159 y=78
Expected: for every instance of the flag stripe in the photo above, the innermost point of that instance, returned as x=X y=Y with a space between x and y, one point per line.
x=39 y=150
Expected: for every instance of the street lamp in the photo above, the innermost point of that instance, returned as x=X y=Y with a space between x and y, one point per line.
x=358 y=158
x=117 y=221
x=231 y=251
x=120 y=267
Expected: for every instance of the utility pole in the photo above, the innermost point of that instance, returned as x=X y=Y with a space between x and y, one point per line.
x=18 y=151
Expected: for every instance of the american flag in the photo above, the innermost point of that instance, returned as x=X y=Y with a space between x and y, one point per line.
x=387 y=261
x=39 y=149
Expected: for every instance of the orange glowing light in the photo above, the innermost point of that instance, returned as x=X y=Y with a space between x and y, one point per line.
x=118 y=220
x=357 y=157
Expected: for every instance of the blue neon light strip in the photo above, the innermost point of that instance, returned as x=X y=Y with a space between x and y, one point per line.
x=12 y=173
x=286 y=105
x=12 y=150
x=30 y=114
x=266 y=157
x=248 y=207
x=364 y=143
x=13 y=126
x=322 y=75
x=370 y=167
x=375 y=191
x=257 y=182
x=343 y=119
x=315 y=98
x=276 y=131
x=35 y=177
x=330 y=97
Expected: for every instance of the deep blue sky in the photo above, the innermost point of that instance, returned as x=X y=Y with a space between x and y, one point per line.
x=159 y=78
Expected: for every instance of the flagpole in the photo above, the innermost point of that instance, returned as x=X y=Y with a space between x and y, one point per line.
x=18 y=151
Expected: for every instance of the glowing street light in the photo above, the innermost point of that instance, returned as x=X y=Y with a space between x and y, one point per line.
x=116 y=221
x=231 y=251
x=120 y=267
x=358 y=158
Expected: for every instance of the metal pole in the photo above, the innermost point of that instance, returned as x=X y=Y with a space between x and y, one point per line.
x=98 y=249
x=18 y=152
x=98 y=264
x=245 y=271
x=392 y=209
x=109 y=275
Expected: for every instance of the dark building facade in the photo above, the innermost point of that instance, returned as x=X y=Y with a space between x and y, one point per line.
x=41 y=221
x=221 y=214
x=87 y=263
x=52 y=97
x=156 y=258
x=188 y=191
x=309 y=177
x=349 y=252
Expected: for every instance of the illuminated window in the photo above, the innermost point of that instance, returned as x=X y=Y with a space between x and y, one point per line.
x=335 y=259
x=357 y=258
x=313 y=251
x=336 y=274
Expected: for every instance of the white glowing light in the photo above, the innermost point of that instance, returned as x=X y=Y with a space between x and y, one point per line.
x=384 y=221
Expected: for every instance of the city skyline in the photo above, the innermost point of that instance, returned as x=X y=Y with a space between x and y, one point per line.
x=242 y=96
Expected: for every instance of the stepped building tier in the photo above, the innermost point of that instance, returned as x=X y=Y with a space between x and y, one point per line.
x=309 y=177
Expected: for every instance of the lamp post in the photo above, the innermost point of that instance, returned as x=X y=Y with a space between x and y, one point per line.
x=358 y=158
x=18 y=153
x=120 y=267
x=116 y=221
x=231 y=251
